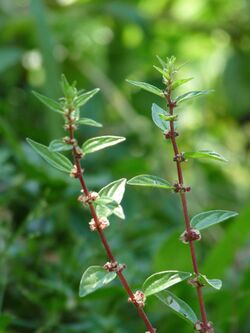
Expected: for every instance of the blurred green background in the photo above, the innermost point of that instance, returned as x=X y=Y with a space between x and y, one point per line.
x=45 y=244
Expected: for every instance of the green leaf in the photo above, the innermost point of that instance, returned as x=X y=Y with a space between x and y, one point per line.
x=59 y=145
x=147 y=87
x=168 y=117
x=214 y=283
x=50 y=103
x=163 y=280
x=192 y=94
x=205 y=154
x=163 y=72
x=55 y=159
x=95 y=277
x=105 y=206
x=178 y=83
x=100 y=142
x=88 y=122
x=162 y=62
x=212 y=217
x=150 y=181
x=85 y=97
x=157 y=111
x=114 y=191
x=181 y=308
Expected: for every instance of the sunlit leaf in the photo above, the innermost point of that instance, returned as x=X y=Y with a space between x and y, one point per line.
x=181 y=308
x=50 y=103
x=178 y=83
x=191 y=94
x=207 y=219
x=204 y=154
x=147 y=87
x=105 y=206
x=163 y=280
x=95 y=277
x=55 y=159
x=88 y=122
x=100 y=142
x=150 y=181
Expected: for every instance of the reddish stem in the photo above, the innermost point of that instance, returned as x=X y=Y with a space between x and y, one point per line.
x=104 y=241
x=171 y=106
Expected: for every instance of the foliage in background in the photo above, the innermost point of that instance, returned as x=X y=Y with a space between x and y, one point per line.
x=104 y=42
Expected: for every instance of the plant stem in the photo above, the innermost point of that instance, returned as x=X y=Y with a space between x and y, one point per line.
x=103 y=238
x=171 y=106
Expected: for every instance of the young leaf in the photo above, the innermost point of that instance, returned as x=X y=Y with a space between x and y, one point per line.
x=168 y=117
x=83 y=98
x=100 y=142
x=164 y=73
x=191 y=94
x=114 y=191
x=95 y=277
x=147 y=87
x=55 y=159
x=163 y=280
x=150 y=181
x=163 y=63
x=181 y=308
x=178 y=83
x=204 y=154
x=207 y=219
x=157 y=111
x=59 y=145
x=50 y=103
x=105 y=206
x=214 y=283
x=68 y=90
x=88 y=122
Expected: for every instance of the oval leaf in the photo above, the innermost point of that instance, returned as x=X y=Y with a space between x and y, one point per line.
x=181 y=308
x=204 y=154
x=150 y=181
x=59 y=145
x=163 y=280
x=147 y=87
x=207 y=219
x=95 y=277
x=191 y=94
x=85 y=97
x=88 y=122
x=214 y=283
x=55 y=159
x=50 y=103
x=101 y=142
x=157 y=111
x=105 y=206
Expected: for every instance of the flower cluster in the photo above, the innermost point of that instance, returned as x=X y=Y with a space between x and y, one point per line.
x=103 y=223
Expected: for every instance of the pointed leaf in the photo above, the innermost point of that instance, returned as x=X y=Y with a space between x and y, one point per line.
x=214 y=283
x=210 y=218
x=114 y=190
x=147 y=87
x=88 y=122
x=163 y=72
x=105 y=206
x=85 y=97
x=204 y=154
x=50 y=103
x=119 y=212
x=157 y=111
x=101 y=142
x=181 y=308
x=59 y=145
x=163 y=63
x=163 y=280
x=69 y=90
x=150 y=181
x=95 y=277
x=178 y=83
x=55 y=159
x=192 y=94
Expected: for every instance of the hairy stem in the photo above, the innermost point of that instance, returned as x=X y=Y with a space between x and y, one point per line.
x=102 y=236
x=171 y=106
